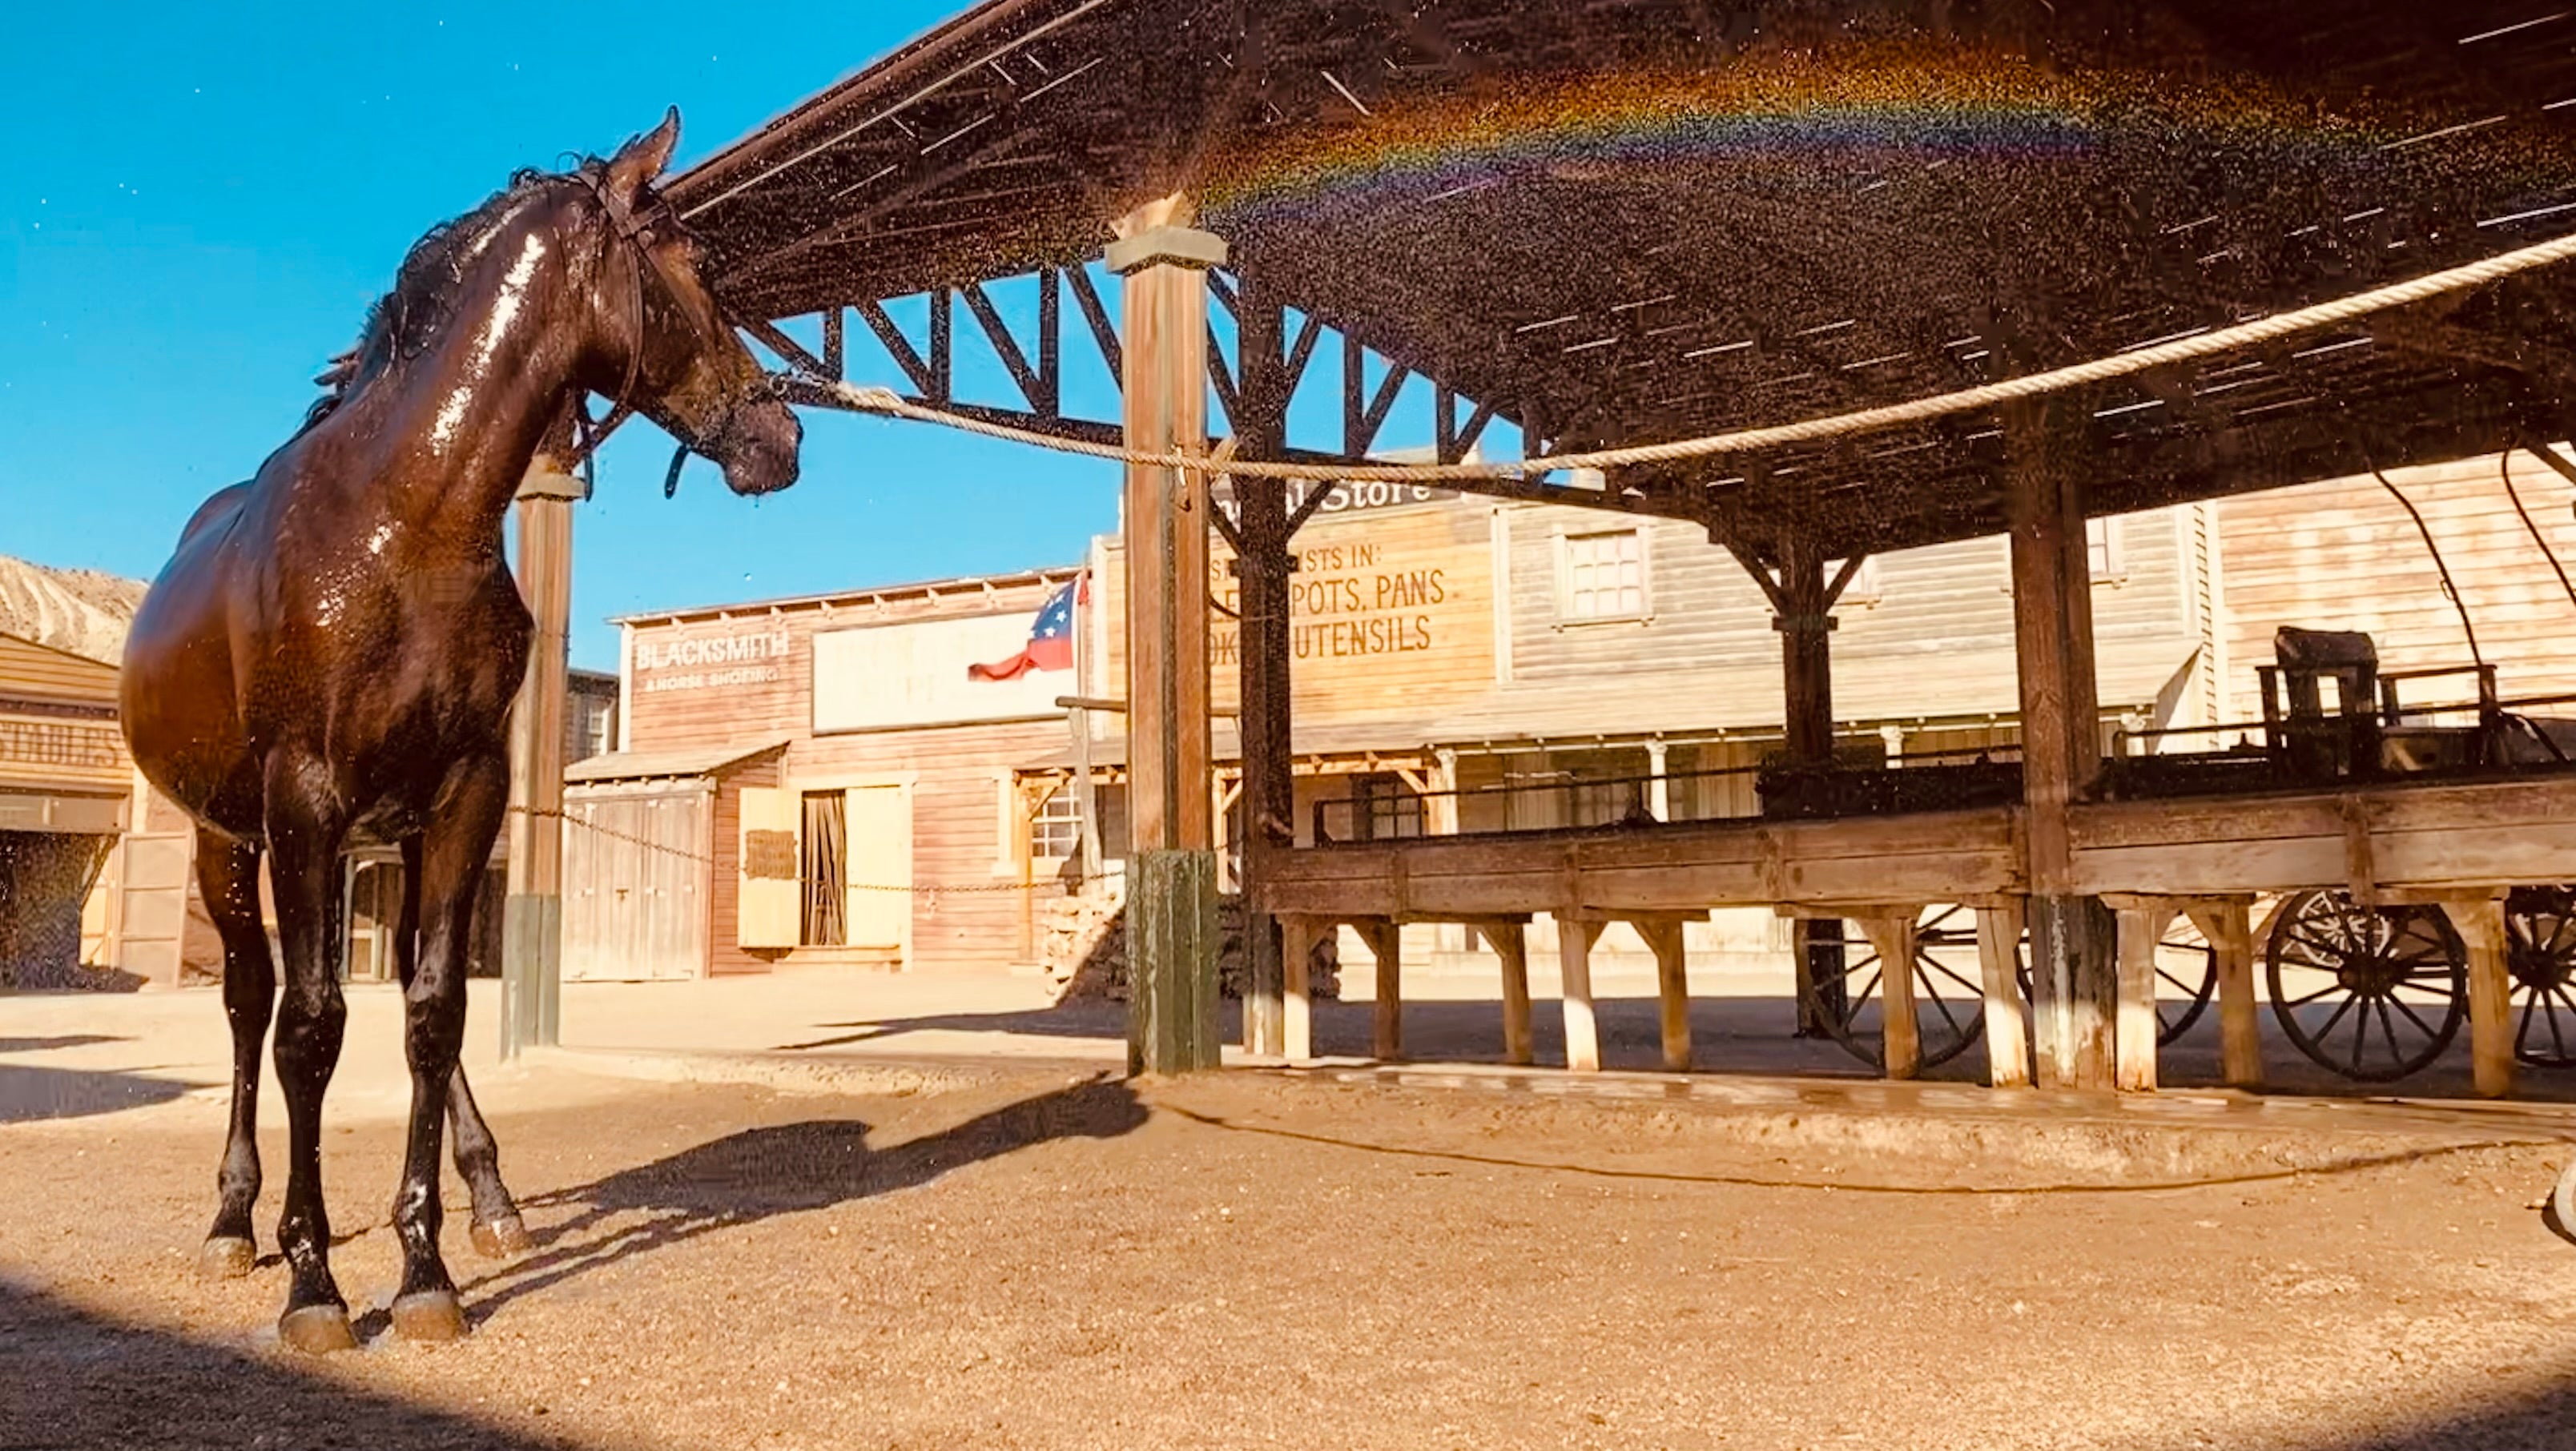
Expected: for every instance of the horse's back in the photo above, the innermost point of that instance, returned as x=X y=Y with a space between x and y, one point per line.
x=176 y=686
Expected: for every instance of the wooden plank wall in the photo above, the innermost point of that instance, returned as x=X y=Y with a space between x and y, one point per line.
x=1709 y=631
x=1392 y=613
x=748 y=679
x=2343 y=555
x=29 y=670
x=966 y=912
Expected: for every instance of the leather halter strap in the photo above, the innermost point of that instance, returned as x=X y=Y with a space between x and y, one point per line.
x=634 y=231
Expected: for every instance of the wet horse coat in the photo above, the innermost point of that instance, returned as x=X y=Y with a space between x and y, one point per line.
x=336 y=644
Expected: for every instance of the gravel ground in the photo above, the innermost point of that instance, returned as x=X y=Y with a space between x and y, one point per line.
x=1031 y=1258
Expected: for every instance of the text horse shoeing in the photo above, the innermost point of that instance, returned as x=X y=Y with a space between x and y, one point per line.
x=336 y=645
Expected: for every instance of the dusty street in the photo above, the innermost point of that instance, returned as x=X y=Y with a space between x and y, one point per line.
x=1032 y=1256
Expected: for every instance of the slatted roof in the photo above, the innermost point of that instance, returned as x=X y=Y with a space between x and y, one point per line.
x=1623 y=221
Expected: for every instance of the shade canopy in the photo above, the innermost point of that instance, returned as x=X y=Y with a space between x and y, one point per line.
x=1646 y=220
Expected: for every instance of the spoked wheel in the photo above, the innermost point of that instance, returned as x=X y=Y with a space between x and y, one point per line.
x=2540 y=932
x=2186 y=979
x=2373 y=995
x=1949 y=1005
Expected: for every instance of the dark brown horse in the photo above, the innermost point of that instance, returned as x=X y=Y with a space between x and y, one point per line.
x=334 y=649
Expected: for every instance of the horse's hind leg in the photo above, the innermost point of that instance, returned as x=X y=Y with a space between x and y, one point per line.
x=228 y=878
x=305 y=833
x=498 y=1232
x=454 y=853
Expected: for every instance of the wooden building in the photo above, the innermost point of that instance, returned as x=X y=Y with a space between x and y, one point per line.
x=815 y=783
x=94 y=867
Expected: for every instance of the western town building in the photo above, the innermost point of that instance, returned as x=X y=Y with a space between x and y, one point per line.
x=819 y=782
x=97 y=879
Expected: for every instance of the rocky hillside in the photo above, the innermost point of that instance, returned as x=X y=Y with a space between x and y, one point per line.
x=79 y=611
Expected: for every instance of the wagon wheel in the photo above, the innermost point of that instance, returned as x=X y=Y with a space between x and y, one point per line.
x=1948 y=1004
x=2540 y=930
x=2396 y=984
x=2186 y=979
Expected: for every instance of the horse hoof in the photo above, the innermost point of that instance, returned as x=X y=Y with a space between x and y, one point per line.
x=317 y=1329
x=432 y=1315
x=226 y=1258
x=505 y=1238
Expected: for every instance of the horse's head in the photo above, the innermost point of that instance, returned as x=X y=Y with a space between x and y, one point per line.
x=683 y=366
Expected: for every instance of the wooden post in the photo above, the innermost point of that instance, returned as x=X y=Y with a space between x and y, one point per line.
x=2480 y=922
x=1510 y=941
x=2075 y=982
x=2229 y=929
x=532 y=915
x=1171 y=913
x=1262 y=643
x=1385 y=941
x=1803 y=616
x=1892 y=935
x=1297 y=939
x=2142 y=928
x=1665 y=937
x=1659 y=787
x=1172 y=962
x=1999 y=930
x=1574 y=939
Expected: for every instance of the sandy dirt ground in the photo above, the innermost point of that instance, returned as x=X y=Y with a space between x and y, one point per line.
x=1032 y=1255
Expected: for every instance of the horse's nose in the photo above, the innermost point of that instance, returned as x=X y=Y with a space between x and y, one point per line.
x=766 y=459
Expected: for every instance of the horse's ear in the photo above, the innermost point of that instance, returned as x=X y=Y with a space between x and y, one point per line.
x=639 y=161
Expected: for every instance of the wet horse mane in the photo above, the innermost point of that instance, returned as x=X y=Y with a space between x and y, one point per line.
x=424 y=294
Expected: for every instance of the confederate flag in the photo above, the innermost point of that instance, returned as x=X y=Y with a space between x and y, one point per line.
x=1050 y=637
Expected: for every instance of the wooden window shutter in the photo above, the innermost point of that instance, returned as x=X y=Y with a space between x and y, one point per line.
x=768 y=914
x=880 y=910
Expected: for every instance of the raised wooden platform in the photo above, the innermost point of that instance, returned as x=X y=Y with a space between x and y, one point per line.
x=2455 y=845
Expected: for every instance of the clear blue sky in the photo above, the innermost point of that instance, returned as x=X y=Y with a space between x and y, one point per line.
x=199 y=201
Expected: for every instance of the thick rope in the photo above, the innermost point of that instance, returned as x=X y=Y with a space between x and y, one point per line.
x=886 y=402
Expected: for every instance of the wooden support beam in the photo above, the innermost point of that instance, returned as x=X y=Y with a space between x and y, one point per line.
x=1574 y=940
x=1893 y=936
x=2228 y=928
x=2142 y=928
x=1510 y=942
x=1262 y=567
x=1298 y=937
x=1664 y=937
x=1999 y=932
x=1171 y=781
x=532 y=913
x=2479 y=919
x=2076 y=986
x=1385 y=941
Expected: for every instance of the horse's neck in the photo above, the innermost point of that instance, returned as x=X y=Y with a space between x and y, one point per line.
x=470 y=412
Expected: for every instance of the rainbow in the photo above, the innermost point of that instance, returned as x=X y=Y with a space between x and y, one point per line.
x=1858 y=111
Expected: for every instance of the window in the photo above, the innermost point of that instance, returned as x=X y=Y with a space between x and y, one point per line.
x=1055 y=832
x=1602 y=576
x=1383 y=808
x=2102 y=548
x=824 y=870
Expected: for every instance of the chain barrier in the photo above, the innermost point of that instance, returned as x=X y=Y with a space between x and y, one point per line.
x=916 y=889
x=886 y=402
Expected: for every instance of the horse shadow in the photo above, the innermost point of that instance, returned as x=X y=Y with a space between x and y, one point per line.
x=760 y=1173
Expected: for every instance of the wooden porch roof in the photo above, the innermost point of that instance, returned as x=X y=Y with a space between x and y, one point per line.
x=1637 y=221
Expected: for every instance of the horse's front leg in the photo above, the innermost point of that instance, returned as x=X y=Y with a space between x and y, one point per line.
x=305 y=830
x=454 y=853
x=498 y=1231
x=228 y=879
